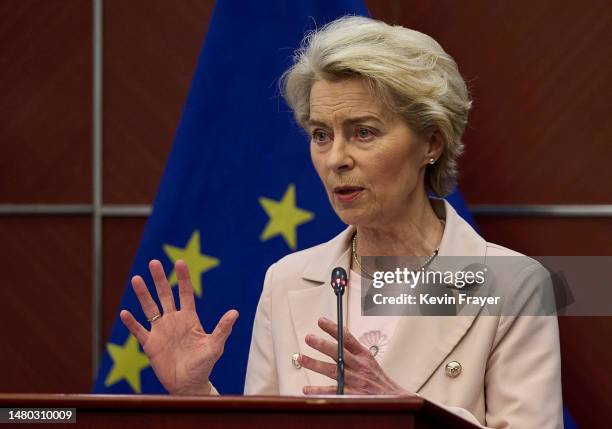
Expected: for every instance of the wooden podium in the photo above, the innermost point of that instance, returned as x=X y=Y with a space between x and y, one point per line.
x=163 y=411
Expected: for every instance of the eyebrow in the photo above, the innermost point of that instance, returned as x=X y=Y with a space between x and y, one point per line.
x=355 y=120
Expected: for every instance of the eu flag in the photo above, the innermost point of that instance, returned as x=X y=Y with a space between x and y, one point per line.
x=239 y=191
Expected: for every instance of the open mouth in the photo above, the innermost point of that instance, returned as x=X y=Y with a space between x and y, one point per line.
x=347 y=193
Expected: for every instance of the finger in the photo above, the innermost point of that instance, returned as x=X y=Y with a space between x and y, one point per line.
x=134 y=327
x=224 y=327
x=351 y=343
x=186 y=299
x=329 y=348
x=144 y=297
x=161 y=285
x=328 y=369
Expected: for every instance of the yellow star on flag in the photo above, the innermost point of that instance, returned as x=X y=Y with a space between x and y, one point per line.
x=285 y=217
x=128 y=361
x=197 y=262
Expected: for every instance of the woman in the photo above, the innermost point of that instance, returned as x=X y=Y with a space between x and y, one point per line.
x=385 y=108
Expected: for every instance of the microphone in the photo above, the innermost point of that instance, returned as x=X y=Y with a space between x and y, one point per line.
x=338 y=283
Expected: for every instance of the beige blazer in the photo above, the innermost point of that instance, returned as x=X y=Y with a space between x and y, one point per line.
x=511 y=375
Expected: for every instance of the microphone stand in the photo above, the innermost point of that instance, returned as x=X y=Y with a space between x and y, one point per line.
x=338 y=282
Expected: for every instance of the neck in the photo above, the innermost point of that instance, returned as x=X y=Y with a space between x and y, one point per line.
x=417 y=232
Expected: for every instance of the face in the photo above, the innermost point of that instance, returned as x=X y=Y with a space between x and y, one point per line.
x=369 y=160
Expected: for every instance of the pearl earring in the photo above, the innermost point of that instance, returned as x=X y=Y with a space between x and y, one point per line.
x=432 y=161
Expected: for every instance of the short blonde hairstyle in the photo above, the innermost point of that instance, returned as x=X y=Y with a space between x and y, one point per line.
x=408 y=70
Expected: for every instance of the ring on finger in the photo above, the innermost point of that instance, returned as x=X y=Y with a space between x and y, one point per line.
x=154 y=318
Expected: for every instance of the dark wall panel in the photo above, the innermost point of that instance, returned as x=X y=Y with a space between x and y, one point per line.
x=45 y=106
x=544 y=236
x=538 y=71
x=150 y=52
x=45 y=324
x=120 y=243
x=587 y=385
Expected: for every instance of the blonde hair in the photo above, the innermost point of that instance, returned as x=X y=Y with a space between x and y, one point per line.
x=408 y=70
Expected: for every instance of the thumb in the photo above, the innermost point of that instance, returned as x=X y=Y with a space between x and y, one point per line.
x=224 y=327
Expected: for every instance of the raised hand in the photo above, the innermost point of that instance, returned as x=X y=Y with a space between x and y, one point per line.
x=181 y=353
x=362 y=373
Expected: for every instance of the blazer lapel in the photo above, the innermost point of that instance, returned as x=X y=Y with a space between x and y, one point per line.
x=421 y=343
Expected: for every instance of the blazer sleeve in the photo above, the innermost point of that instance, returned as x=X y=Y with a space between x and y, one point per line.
x=523 y=377
x=261 y=374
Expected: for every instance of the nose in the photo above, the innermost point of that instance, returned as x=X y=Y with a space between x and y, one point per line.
x=339 y=157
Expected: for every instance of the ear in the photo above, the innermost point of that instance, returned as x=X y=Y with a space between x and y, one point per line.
x=435 y=146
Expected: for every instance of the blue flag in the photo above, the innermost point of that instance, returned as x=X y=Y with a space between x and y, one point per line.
x=238 y=192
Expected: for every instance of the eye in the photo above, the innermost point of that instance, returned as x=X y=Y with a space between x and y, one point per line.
x=320 y=137
x=364 y=134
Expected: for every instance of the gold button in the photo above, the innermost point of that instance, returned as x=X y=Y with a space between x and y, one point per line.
x=294 y=360
x=453 y=369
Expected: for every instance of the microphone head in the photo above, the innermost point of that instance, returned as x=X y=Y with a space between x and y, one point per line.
x=339 y=280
